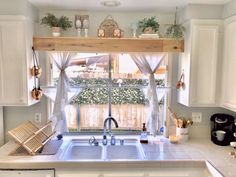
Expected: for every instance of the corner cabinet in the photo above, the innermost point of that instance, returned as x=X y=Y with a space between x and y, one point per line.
x=16 y=82
x=198 y=63
x=228 y=94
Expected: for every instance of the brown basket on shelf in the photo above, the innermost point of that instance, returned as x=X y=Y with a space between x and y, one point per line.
x=31 y=137
x=109 y=25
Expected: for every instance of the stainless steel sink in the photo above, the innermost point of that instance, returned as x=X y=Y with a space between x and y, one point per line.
x=124 y=152
x=80 y=150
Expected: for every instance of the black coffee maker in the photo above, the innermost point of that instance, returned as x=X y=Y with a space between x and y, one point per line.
x=222 y=129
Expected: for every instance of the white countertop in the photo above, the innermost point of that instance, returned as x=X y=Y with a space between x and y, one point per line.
x=157 y=151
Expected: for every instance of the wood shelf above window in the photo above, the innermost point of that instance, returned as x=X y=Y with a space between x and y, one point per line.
x=122 y=45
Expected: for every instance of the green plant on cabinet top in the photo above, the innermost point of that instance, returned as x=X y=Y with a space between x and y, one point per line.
x=52 y=21
x=149 y=22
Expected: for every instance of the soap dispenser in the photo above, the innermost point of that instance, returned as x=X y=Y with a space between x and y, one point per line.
x=144 y=137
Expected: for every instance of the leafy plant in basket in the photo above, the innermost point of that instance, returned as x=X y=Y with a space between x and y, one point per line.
x=176 y=30
x=56 y=23
x=149 y=25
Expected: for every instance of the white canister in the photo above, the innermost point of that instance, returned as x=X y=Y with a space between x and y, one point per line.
x=182 y=134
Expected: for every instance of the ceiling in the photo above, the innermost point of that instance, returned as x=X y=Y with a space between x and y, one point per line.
x=125 y=5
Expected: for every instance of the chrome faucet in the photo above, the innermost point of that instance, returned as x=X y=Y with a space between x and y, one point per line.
x=109 y=120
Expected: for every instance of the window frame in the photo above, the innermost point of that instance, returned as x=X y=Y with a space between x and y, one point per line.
x=167 y=125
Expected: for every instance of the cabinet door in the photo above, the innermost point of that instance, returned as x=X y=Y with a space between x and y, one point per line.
x=229 y=66
x=12 y=62
x=16 y=82
x=199 y=63
x=204 y=64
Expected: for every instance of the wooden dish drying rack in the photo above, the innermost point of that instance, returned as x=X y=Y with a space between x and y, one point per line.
x=32 y=138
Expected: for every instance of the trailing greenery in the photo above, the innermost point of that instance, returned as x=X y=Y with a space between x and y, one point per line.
x=52 y=21
x=149 y=22
x=96 y=91
x=176 y=30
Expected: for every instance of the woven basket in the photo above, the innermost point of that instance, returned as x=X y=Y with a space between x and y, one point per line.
x=109 y=24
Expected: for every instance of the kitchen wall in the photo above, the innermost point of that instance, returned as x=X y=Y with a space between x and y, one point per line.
x=18 y=7
x=124 y=20
x=197 y=11
x=229 y=9
x=16 y=115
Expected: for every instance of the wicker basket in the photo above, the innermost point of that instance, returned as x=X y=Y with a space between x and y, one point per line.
x=109 y=24
x=31 y=137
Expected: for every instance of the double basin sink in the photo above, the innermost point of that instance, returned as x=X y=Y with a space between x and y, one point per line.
x=81 y=150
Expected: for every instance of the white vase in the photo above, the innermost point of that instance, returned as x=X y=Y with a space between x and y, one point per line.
x=85 y=32
x=78 y=32
x=56 y=31
x=149 y=30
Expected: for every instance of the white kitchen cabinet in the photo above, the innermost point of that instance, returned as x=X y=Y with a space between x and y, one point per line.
x=228 y=96
x=199 y=63
x=27 y=173
x=16 y=83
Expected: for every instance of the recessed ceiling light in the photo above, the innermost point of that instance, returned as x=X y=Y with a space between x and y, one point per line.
x=110 y=3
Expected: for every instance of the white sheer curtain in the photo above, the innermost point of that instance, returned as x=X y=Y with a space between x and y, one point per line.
x=62 y=61
x=148 y=64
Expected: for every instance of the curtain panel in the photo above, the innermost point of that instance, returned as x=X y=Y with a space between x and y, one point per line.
x=62 y=62
x=148 y=64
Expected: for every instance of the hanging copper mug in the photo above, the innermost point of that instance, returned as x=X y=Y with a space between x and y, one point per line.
x=36 y=71
x=37 y=93
x=180 y=84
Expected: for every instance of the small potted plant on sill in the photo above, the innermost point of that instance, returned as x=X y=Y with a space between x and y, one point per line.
x=56 y=24
x=176 y=30
x=149 y=25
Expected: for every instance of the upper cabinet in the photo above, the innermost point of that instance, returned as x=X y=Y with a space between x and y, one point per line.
x=16 y=83
x=229 y=65
x=198 y=63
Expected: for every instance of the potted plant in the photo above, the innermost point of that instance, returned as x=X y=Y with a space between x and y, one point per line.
x=56 y=24
x=176 y=30
x=149 y=25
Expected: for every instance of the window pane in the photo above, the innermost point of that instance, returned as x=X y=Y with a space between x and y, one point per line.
x=130 y=107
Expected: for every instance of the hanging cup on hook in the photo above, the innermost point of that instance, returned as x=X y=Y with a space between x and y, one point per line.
x=180 y=84
x=37 y=93
x=36 y=71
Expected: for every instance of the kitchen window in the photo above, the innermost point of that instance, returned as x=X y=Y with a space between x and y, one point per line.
x=89 y=99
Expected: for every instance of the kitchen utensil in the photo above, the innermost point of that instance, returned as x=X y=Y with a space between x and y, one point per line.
x=176 y=122
x=184 y=123
x=180 y=122
x=189 y=122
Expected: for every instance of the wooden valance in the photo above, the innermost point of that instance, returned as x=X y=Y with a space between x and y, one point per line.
x=121 y=45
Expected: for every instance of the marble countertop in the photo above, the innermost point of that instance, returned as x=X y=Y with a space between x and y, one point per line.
x=158 y=150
